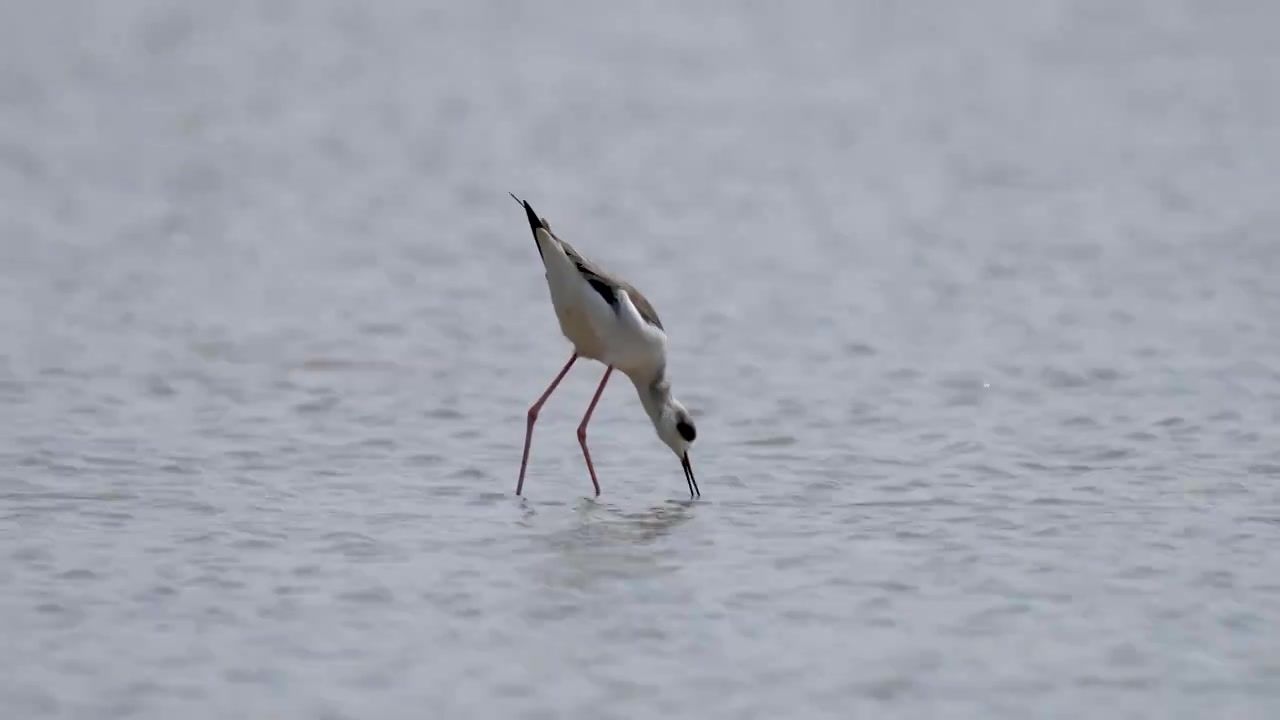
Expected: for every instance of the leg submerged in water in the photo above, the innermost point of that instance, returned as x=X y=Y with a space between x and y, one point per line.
x=533 y=417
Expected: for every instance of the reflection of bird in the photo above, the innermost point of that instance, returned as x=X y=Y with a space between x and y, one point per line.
x=608 y=320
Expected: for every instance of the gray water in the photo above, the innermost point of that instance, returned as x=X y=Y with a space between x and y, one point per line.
x=978 y=306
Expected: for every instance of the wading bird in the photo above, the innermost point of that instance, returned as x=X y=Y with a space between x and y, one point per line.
x=608 y=320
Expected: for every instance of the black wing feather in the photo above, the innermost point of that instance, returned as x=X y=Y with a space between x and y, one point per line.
x=605 y=289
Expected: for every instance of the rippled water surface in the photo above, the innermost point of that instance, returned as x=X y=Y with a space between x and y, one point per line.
x=978 y=306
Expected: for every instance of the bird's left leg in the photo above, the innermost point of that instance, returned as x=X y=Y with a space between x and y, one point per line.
x=582 y=429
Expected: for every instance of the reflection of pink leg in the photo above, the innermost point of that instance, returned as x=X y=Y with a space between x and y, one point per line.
x=533 y=416
x=582 y=429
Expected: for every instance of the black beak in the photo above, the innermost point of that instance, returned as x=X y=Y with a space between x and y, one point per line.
x=688 y=475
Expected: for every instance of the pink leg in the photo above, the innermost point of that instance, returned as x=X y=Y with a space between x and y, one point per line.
x=533 y=416
x=582 y=429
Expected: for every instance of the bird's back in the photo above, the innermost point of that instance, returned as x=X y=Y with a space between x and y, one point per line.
x=588 y=300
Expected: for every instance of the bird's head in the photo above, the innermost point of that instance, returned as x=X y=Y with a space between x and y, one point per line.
x=675 y=428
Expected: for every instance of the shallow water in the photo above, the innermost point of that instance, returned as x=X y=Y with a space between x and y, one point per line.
x=977 y=306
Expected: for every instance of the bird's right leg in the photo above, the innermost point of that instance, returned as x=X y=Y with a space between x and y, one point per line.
x=533 y=416
x=582 y=429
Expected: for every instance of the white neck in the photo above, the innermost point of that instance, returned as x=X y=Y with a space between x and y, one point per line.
x=655 y=394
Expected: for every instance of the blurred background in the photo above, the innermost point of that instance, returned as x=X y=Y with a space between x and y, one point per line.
x=976 y=305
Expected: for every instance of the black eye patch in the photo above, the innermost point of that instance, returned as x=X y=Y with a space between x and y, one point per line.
x=686 y=430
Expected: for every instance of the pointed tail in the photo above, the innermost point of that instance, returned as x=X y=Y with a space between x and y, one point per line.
x=535 y=223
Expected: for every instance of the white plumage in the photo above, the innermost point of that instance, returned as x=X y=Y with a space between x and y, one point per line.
x=610 y=321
